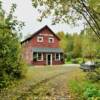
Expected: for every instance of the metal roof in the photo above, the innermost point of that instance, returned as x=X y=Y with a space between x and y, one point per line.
x=58 y=50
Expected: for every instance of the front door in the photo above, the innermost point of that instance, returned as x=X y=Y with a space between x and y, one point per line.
x=49 y=59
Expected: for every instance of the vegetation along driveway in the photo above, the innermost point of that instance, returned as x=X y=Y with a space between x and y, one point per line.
x=42 y=83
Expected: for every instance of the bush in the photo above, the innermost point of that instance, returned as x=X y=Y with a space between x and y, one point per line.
x=80 y=60
x=91 y=92
x=75 y=61
x=94 y=76
x=69 y=56
x=84 y=90
x=11 y=63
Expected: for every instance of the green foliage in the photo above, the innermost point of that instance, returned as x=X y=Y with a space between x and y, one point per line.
x=71 y=11
x=63 y=41
x=89 y=45
x=69 y=56
x=75 y=87
x=80 y=60
x=91 y=92
x=70 y=46
x=84 y=90
x=77 y=46
x=94 y=76
x=11 y=63
x=95 y=4
x=75 y=61
x=84 y=45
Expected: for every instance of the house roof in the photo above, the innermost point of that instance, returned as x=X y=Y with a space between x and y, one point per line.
x=53 y=50
x=40 y=31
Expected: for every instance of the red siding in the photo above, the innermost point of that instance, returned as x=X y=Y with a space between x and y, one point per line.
x=31 y=43
x=45 y=40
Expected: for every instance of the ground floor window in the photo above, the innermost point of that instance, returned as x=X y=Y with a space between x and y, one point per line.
x=61 y=57
x=34 y=56
x=37 y=56
x=57 y=56
x=40 y=56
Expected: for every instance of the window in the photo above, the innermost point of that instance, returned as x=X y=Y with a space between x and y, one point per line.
x=39 y=39
x=57 y=56
x=51 y=40
x=37 y=56
x=40 y=56
x=34 y=56
x=61 y=57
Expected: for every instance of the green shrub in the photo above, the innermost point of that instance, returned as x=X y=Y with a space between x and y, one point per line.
x=80 y=60
x=84 y=90
x=11 y=63
x=91 y=92
x=75 y=61
x=69 y=56
x=94 y=76
x=75 y=87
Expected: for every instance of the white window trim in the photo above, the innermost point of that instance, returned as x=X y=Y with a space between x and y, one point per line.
x=41 y=57
x=39 y=40
x=59 y=57
x=52 y=40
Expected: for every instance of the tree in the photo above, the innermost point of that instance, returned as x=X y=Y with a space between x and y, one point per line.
x=63 y=41
x=69 y=43
x=76 y=46
x=89 y=47
x=70 y=11
x=11 y=63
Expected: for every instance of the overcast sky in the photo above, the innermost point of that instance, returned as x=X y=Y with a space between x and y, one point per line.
x=25 y=12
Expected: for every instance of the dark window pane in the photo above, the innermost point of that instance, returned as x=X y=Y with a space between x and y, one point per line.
x=34 y=56
x=39 y=56
x=57 y=56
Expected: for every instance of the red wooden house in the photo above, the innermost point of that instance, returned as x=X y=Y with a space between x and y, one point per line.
x=42 y=48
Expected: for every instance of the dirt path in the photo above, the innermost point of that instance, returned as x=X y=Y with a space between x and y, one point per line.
x=53 y=87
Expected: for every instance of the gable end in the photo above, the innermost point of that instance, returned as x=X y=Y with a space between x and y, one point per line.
x=45 y=27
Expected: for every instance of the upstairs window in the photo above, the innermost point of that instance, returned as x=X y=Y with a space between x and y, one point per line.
x=51 y=40
x=39 y=39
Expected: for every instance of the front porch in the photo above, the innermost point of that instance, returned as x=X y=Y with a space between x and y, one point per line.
x=46 y=56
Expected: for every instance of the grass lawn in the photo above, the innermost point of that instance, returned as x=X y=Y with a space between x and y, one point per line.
x=42 y=83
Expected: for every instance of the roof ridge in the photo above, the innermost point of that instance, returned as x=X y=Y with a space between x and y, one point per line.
x=46 y=26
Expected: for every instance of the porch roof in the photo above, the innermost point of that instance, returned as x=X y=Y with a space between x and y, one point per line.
x=58 y=50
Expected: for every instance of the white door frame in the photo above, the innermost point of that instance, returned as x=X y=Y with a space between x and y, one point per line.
x=50 y=58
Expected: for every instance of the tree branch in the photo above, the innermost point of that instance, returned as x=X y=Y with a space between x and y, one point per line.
x=87 y=21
